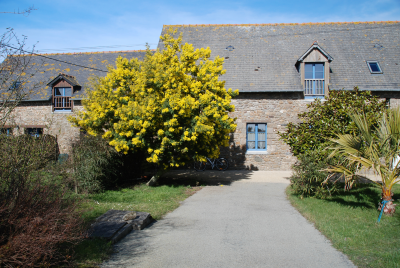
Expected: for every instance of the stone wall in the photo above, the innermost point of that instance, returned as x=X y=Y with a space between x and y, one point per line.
x=276 y=111
x=39 y=114
x=394 y=103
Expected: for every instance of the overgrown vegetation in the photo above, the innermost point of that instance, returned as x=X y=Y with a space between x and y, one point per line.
x=37 y=214
x=349 y=218
x=43 y=221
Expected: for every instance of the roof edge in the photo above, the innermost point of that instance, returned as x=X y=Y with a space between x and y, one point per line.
x=29 y=100
x=371 y=89
x=271 y=91
x=281 y=24
x=87 y=53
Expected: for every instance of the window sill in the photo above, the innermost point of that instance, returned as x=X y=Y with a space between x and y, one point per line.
x=62 y=112
x=311 y=100
x=256 y=152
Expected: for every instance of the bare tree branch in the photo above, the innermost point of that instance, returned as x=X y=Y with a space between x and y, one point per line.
x=15 y=74
x=24 y=12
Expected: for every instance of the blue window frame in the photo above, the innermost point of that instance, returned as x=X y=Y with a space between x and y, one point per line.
x=256 y=137
x=34 y=132
x=374 y=67
x=314 y=81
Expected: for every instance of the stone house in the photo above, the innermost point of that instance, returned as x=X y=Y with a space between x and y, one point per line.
x=278 y=69
x=58 y=88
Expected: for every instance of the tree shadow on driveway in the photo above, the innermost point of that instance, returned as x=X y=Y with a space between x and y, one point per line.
x=210 y=177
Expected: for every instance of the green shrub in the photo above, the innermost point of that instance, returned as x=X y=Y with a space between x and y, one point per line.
x=323 y=120
x=308 y=178
x=95 y=164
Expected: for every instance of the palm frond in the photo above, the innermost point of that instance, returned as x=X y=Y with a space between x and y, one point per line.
x=371 y=149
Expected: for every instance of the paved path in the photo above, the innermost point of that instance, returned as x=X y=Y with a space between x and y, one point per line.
x=245 y=223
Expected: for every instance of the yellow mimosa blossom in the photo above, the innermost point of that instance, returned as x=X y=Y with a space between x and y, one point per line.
x=172 y=105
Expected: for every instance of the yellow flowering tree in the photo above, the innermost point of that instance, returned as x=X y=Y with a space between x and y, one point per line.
x=171 y=106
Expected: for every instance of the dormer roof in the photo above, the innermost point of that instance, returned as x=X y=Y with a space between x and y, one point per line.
x=319 y=48
x=68 y=78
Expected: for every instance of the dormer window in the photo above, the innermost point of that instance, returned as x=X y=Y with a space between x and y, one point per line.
x=62 y=99
x=63 y=89
x=374 y=67
x=314 y=72
x=314 y=82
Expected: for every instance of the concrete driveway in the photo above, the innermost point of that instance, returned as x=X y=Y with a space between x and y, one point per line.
x=247 y=222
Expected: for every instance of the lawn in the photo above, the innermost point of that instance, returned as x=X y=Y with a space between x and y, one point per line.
x=349 y=220
x=157 y=201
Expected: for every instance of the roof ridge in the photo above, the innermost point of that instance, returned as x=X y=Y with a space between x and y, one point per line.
x=90 y=52
x=67 y=75
x=281 y=24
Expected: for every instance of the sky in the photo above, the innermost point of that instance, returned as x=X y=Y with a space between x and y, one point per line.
x=58 y=26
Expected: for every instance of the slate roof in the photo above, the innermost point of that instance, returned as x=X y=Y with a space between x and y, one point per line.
x=273 y=50
x=47 y=67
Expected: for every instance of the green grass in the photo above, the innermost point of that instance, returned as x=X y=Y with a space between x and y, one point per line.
x=349 y=220
x=157 y=201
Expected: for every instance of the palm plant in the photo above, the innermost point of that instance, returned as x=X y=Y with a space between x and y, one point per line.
x=377 y=149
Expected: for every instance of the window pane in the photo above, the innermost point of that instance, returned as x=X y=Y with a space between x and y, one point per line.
x=251 y=136
x=251 y=144
x=251 y=127
x=261 y=145
x=308 y=71
x=308 y=67
x=374 y=67
x=58 y=92
x=67 y=91
x=261 y=136
x=319 y=67
x=261 y=127
x=319 y=75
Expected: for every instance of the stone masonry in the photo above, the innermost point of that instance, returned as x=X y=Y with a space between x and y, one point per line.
x=276 y=113
x=39 y=115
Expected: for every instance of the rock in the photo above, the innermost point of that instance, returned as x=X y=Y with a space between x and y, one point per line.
x=106 y=229
x=116 y=224
x=129 y=216
x=142 y=220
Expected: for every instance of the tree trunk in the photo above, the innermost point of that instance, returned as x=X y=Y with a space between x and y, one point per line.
x=154 y=180
x=389 y=208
